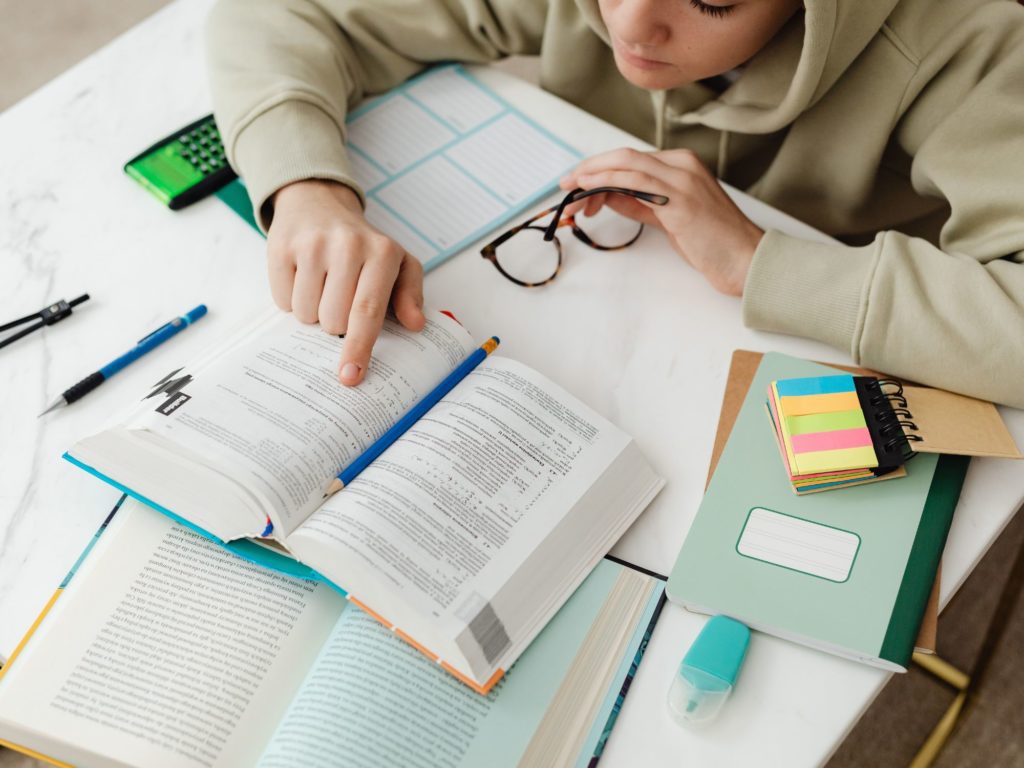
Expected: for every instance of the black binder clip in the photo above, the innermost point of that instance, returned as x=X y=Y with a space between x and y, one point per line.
x=48 y=315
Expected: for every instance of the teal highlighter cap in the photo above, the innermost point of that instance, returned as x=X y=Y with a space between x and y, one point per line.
x=708 y=672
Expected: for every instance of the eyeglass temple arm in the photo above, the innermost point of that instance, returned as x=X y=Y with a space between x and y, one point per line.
x=489 y=249
x=579 y=193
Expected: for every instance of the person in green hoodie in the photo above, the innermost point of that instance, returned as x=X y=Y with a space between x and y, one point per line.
x=896 y=126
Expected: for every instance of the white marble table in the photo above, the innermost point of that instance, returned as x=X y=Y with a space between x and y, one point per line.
x=636 y=334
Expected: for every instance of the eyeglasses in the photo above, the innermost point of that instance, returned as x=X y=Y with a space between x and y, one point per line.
x=531 y=253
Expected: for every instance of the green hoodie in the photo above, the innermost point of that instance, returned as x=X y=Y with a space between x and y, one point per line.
x=897 y=126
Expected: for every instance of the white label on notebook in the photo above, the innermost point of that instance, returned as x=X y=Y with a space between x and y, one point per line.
x=812 y=548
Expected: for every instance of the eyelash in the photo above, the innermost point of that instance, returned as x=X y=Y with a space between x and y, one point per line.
x=716 y=11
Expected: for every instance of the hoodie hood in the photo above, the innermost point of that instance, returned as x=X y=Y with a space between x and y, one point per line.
x=786 y=77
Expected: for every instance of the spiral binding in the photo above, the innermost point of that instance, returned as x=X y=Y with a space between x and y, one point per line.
x=896 y=419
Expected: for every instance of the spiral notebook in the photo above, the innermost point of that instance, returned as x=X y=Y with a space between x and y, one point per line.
x=843 y=429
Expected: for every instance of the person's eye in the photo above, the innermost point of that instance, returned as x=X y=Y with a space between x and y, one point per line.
x=717 y=11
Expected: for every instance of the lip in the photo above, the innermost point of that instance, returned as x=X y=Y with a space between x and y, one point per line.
x=636 y=61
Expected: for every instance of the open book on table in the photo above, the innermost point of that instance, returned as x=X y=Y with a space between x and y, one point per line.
x=163 y=650
x=464 y=536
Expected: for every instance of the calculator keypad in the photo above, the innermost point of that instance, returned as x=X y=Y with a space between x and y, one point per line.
x=203 y=149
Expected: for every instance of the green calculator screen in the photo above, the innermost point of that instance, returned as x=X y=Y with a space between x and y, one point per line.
x=180 y=163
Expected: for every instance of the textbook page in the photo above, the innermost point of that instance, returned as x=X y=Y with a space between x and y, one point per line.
x=371 y=699
x=270 y=411
x=445 y=516
x=165 y=651
x=443 y=160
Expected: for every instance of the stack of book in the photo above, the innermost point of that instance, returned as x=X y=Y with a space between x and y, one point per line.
x=258 y=622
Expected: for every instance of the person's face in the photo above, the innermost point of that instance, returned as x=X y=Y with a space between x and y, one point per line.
x=667 y=43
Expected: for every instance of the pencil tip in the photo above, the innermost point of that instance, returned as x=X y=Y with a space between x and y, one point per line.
x=56 y=404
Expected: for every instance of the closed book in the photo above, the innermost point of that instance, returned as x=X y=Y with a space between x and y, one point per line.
x=849 y=572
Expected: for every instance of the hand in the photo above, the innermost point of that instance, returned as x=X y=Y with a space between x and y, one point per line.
x=702 y=222
x=327 y=264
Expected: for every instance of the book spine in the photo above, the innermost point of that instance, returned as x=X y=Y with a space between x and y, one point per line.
x=628 y=681
x=923 y=562
x=60 y=589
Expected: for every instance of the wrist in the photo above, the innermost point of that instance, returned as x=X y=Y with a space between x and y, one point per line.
x=742 y=257
x=300 y=194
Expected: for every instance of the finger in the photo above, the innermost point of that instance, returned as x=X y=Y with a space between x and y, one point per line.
x=407 y=298
x=367 y=316
x=307 y=290
x=339 y=291
x=684 y=159
x=281 y=276
x=611 y=158
x=622 y=159
x=588 y=205
x=632 y=208
x=593 y=204
x=629 y=179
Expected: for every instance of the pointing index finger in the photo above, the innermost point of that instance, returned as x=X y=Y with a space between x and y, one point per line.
x=366 y=318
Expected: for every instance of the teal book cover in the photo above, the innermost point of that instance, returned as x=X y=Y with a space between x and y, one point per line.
x=846 y=571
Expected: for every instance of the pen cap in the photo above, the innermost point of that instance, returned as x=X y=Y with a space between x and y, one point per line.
x=708 y=671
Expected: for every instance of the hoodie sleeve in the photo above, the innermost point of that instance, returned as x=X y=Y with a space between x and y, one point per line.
x=950 y=316
x=283 y=73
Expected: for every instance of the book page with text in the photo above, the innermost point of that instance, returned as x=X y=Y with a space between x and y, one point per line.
x=448 y=513
x=166 y=651
x=271 y=413
x=371 y=699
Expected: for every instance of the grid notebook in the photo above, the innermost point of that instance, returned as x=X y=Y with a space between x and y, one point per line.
x=443 y=160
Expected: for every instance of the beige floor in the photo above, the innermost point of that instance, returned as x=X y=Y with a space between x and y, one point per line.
x=41 y=38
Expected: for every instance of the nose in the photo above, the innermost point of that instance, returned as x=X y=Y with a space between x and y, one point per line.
x=638 y=23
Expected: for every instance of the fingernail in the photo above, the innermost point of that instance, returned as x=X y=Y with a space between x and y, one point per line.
x=349 y=372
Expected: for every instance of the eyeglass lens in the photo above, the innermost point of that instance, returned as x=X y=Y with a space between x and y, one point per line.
x=528 y=258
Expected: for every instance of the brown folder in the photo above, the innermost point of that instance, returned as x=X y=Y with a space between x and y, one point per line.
x=741 y=374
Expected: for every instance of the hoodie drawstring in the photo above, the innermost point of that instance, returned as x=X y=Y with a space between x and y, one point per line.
x=723 y=154
x=658 y=100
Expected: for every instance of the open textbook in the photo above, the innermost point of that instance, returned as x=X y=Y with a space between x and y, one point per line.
x=464 y=536
x=164 y=650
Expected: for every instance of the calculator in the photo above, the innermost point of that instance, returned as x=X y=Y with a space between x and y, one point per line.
x=184 y=167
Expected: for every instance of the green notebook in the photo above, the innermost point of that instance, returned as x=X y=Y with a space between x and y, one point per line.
x=848 y=572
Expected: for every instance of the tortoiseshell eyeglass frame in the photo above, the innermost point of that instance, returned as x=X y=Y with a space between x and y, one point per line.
x=489 y=251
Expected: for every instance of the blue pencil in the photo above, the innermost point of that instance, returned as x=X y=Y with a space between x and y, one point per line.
x=349 y=473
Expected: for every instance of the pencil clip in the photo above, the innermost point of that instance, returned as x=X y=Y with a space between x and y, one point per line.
x=151 y=334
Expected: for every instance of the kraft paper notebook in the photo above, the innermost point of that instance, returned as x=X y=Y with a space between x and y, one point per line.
x=463 y=536
x=162 y=649
x=742 y=368
x=849 y=572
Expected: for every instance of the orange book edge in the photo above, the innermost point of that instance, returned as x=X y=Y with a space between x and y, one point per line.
x=3 y=671
x=461 y=677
